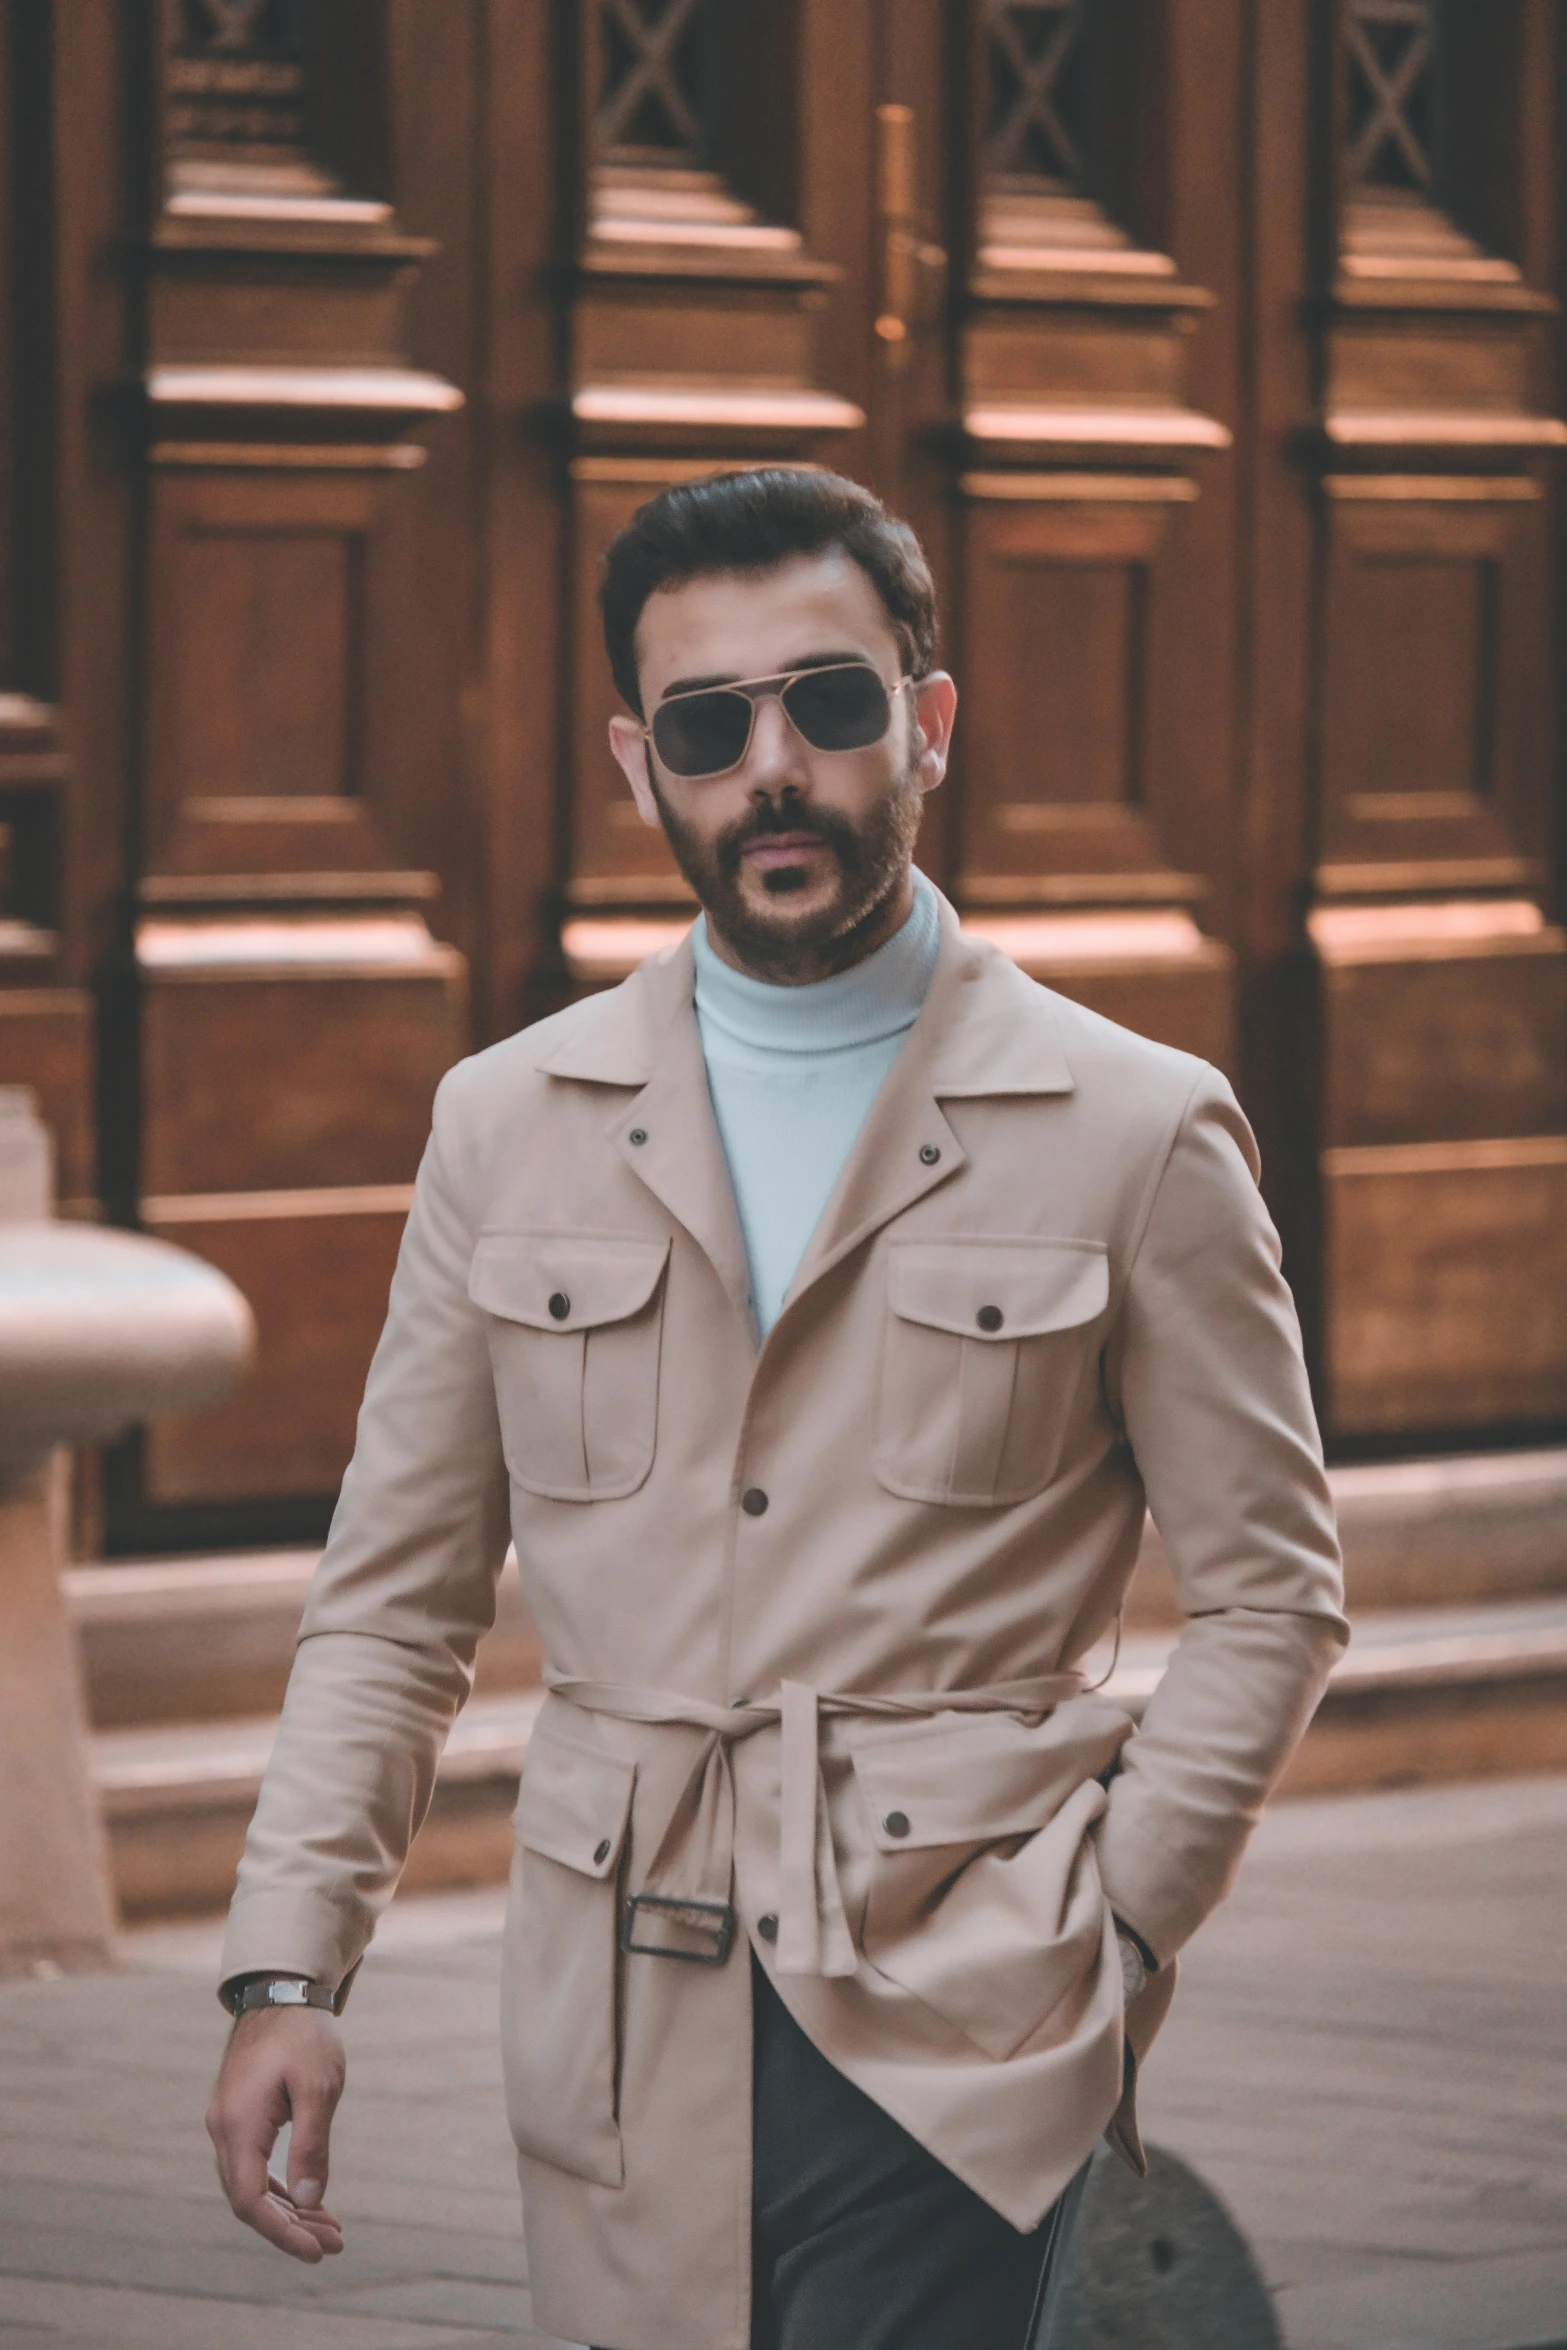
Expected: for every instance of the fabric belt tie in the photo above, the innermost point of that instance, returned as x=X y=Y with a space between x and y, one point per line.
x=695 y=1854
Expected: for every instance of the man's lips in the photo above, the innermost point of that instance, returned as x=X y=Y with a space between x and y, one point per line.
x=782 y=848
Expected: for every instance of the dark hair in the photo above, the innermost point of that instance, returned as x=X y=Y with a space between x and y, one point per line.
x=748 y=522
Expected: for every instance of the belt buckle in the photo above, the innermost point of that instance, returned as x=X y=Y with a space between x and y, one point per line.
x=713 y=1918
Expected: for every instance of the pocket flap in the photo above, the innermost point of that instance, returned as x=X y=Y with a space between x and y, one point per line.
x=966 y=1782
x=998 y=1289
x=564 y=1281
x=574 y=1803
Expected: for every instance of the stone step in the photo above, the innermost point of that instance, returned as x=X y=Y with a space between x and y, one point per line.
x=184 y=1640
x=1421 y=1694
x=1456 y=1532
x=201 y=1639
x=177 y=1801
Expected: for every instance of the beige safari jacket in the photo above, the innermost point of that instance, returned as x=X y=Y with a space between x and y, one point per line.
x=813 y=1608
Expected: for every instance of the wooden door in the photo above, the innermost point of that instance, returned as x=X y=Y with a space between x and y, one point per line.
x=1408 y=1055
x=889 y=236
x=1203 y=342
x=1213 y=348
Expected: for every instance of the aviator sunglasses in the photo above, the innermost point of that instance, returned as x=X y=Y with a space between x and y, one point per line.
x=706 y=731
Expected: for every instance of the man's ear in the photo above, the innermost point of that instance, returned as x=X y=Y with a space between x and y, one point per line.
x=935 y=708
x=629 y=745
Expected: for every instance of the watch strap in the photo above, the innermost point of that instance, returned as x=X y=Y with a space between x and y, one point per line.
x=279 y=1991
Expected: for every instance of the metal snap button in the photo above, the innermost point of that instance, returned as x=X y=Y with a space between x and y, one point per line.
x=990 y=1317
x=753 y=1501
x=601 y=1854
x=929 y=1154
x=768 y=1927
x=896 y=1823
x=638 y=1135
x=560 y=1305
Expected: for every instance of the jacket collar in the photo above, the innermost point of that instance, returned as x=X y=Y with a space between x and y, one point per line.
x=984 y=1029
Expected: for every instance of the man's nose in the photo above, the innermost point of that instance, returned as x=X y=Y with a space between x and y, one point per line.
x=775 y=760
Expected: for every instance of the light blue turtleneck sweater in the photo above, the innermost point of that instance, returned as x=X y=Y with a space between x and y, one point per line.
x=793 y=1072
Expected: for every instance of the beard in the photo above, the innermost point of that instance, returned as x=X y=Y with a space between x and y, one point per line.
x=792 y=949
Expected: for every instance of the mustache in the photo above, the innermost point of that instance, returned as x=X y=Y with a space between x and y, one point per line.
x=768 y=820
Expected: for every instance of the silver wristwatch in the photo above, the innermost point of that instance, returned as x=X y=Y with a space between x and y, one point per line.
x=245 y=1996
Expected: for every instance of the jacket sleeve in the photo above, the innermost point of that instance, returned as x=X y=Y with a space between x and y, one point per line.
x=1207 y=1372
x=404 y=1590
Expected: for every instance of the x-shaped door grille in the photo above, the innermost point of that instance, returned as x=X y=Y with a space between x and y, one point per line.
x=1034 y=46
x=649 y=98
x=240 y=28
x=1392 y=51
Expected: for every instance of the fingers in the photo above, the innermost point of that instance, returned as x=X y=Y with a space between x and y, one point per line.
x=313 y=2101
x=281 y=2065
x=310 y=2236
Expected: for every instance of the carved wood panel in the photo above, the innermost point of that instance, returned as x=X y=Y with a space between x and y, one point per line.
x=1433 y=760
x=1064 y=652
x=1445 y=1015
x=1446 y=1264
x=259 y=678
x=316 y=1268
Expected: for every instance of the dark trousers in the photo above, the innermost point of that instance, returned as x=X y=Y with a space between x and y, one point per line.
x=863 y=2241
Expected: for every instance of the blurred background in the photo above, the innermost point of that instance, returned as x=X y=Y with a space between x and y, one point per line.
x=1214 y=347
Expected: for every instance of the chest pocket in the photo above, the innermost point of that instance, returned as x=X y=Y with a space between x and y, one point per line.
x=987 y=1341
x=576 y=1321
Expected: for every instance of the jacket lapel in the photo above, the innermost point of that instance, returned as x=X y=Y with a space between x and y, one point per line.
x=643 y=1038
x=984 y=1029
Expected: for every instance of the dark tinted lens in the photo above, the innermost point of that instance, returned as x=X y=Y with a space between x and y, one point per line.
x=702 y=734
x=839 y=709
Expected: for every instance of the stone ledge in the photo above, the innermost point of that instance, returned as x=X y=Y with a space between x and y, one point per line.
x=1440 y=1694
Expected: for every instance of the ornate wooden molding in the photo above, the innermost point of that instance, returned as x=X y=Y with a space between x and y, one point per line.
x=1116 y=938
x=251 y=946
x=689 y=224
x=1440 y=428
x=1136 y=489
x=1037 y=428
x=719 y=418
x=1450 y=489
x=247 y=1207
x=395 y=395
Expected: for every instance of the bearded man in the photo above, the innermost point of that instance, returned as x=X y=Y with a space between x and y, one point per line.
x=819 y=1312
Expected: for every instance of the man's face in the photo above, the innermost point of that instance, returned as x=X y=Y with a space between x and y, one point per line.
x=799 y=856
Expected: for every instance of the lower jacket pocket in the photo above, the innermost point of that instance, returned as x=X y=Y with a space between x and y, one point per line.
x=560 y=1993
x=985 y=1900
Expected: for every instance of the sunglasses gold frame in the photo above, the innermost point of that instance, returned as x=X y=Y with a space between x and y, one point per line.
x=771 y=688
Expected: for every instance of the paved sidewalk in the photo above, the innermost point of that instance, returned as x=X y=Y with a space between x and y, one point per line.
x=1367 y=2060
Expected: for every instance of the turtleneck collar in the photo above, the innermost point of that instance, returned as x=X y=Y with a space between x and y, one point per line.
x=880 y=998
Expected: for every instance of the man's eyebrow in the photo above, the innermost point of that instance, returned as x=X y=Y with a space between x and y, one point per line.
x=695 y=685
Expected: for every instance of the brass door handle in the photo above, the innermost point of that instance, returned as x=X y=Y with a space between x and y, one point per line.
x=903 y=256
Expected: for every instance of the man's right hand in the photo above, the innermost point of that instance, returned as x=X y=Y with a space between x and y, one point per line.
x=282 y=2064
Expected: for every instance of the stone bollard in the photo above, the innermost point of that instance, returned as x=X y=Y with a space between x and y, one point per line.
x=99 y=1331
